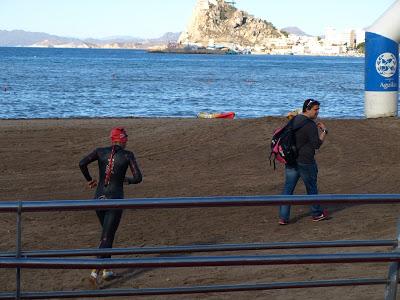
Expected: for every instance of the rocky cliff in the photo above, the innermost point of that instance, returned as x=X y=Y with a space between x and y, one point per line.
x=216 y=21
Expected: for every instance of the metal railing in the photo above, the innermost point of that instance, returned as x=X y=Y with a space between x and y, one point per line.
x=56 y=259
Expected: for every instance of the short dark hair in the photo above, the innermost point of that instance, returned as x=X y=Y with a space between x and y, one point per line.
x=309 y=104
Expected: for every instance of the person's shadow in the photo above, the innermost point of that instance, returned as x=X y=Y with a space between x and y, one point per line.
x=332 y=209
x=123 y=277
x=132 y=273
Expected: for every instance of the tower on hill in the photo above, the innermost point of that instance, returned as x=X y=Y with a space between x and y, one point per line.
x=205 y=4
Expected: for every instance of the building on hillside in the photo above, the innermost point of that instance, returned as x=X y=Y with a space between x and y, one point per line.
x=360 y=36
x=205 y=4
x=349 y=38
x=332 y=36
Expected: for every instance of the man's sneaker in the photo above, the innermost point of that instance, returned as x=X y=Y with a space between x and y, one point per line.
x=108 y=275
x=283 y=222
x=94 y=278
x=321 y=217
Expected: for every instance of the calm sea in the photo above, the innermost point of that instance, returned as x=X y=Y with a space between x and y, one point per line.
x=65 y=83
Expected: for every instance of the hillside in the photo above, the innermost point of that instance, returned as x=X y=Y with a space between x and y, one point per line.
x=15 y=38
x=294 y=30
x=21 y=38
x=220 y=22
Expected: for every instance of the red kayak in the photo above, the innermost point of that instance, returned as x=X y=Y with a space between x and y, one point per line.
x=223 y=115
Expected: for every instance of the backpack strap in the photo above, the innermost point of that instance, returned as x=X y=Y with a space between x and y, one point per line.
x=301 y=125
x=272 y=160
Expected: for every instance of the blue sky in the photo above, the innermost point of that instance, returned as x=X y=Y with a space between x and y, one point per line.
x=152 y=18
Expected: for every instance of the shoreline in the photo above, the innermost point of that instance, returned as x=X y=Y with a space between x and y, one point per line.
x=147 y=50
x=179 y=117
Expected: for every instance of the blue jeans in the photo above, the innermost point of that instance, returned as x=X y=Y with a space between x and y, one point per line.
x=308 y=173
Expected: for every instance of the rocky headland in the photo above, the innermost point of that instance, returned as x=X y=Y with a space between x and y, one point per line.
x=220 y=23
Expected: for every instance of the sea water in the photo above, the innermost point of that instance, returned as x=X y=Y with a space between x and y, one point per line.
x=87 y=83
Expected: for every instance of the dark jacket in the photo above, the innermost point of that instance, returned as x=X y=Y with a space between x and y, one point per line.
x=307 y=139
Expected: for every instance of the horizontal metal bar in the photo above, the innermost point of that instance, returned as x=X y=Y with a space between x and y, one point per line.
x=195 y=289
x=226 y=201
x=202 y=248
x=196 y=261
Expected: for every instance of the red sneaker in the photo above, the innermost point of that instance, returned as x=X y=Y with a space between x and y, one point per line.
x=283 y=222
x=321 y=217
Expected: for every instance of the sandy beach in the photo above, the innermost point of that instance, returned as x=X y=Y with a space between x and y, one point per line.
x=193 y=157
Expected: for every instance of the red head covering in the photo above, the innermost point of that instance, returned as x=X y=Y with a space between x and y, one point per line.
x=118 y=134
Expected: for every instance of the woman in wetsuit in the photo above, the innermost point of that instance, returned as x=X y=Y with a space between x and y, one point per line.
x=113 y=163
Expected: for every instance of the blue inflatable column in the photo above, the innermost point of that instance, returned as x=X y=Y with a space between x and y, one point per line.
x=382 y=65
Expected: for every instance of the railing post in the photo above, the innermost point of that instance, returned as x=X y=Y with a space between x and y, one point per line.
x=18 y=252
x=391 y=287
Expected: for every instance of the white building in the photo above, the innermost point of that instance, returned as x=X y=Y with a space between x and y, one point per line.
x=205 y=4
x=360 y=36
x=348 y=37
x=332 y=36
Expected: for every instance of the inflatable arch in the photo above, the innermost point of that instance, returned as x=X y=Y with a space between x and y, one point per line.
x=382 y=64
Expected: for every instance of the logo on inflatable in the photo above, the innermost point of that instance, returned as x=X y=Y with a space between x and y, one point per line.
x=386 y=64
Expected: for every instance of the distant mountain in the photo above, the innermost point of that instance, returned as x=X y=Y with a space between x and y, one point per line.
x=24 y=38
x=168 y=37
x=295 y=30
x=114 y=40
x=21 y=38
x=121 y=38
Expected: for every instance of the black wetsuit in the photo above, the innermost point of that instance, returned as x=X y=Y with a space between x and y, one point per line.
x=111 y=187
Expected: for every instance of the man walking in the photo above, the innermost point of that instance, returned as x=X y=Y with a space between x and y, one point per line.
x=113 y=162
x=309 y=136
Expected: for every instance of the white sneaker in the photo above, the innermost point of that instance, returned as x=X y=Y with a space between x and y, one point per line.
x=94 y=278
x=108 y=275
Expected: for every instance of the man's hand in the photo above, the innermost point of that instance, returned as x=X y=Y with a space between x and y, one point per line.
x=92 y=184
x=321 y=126
x=323 y=132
